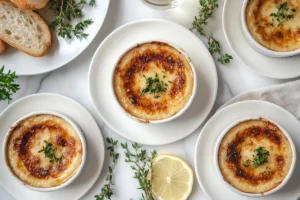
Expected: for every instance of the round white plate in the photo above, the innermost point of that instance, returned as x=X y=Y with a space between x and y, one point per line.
x=94 y=140
x=282 y=68
x=204 y=161
x=62 y=51
x=100 y=81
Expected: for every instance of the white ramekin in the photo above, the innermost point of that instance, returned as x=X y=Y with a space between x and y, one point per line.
x=256 y=45
x=188 y=104
x=82 y=139
x=216 y=160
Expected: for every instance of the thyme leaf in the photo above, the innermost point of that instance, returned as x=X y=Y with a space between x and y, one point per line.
x=107 y=190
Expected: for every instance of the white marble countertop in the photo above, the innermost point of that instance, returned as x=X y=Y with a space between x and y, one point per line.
x=71 y=81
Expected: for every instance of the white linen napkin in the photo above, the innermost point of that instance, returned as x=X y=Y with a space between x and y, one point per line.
x=285 y=95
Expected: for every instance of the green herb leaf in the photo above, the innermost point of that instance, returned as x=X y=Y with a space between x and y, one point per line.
x=266 y=172
x=247 y=163
x=7 y=85
x=92 y=3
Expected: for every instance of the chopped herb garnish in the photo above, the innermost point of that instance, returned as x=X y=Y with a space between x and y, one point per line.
x=49 y=151
x=132 y=100
x=154 y=86
x=261 y=157
x=283 y=14
x=266 y=172
x=247 y=163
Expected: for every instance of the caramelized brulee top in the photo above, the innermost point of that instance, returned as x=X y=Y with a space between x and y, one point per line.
x=43 y=151
x=255 y=156
x=275 y=23
x=153 y=81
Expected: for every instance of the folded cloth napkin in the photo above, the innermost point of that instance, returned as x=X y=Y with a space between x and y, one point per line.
x=285 y=95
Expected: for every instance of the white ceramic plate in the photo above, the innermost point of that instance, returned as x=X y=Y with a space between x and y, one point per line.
x=100 y=81
x=94 y=140
x=62 y=51
x=204 y=152
x=282 y=68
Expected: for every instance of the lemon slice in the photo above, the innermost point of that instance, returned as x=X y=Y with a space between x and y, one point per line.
x=171 y=178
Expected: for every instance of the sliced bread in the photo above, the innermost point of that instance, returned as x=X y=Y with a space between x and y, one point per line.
x=24 y=29
x=2 y=46
x=31 y=4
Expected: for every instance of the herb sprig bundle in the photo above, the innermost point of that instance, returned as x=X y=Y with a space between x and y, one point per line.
x=7 y=85
x=49 y=151
x=205 y=12
x=283 y=14
x=106 y=190
x=141 y=165
x=67 y=10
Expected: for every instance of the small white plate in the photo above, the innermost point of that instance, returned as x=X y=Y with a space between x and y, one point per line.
x=94 y=140
x=204 y=151
x=282 y=68
x=100 y=81
x=62 y=51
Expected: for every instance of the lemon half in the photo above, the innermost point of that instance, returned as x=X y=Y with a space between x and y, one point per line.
x=171 y=178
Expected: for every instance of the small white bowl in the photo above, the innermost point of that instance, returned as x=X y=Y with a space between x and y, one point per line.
x=257 y=46
x=188 y=104
x=216 y=161
x=84 y=151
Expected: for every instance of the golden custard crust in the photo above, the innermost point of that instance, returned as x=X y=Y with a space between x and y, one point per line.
x=283 y=38
x=147 y=60
x=238 y=146
x=27 y=138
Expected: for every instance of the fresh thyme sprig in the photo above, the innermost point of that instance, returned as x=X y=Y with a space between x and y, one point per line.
x=154 y=85
x=67 y=10
x=205 y=12
x=283 y=14
x=7 y=85
x=68 y=31
x=106 y=190
x=49 y=151
x=141 y=165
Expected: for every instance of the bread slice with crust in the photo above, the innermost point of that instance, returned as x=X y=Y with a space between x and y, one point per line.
x=31 y=4
x=24 y=29
x=2 y=46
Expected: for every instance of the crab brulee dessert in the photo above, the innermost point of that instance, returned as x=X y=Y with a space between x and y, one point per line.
x=275 y=23
x=43 y=151
x=153 y=81
x=255 y=156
